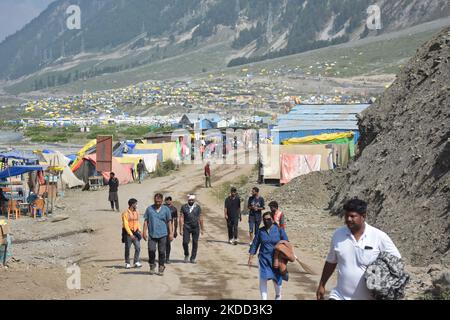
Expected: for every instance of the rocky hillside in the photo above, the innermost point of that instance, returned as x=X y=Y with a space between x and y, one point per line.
x=116 y=35
x=403 y=167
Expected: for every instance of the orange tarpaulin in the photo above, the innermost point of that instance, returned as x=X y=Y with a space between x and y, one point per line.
x=294 y=165
x=123 y=172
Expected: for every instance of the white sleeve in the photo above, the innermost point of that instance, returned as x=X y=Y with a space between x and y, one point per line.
x=386 y=244
x=332 y=257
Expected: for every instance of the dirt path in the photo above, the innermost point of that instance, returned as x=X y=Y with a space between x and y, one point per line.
x=91 y=238
x=221 y=271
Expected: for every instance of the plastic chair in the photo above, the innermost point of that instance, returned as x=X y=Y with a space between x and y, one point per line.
x=13 y=209
x=38 y=204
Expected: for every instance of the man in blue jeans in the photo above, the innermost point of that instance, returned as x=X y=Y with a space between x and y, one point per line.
x=157 y=220
x=255 y=206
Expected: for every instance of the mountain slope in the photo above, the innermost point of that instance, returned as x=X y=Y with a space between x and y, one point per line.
x=403 y=167
x=117 y=35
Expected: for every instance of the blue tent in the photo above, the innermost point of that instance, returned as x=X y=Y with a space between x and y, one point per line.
x=18 y=170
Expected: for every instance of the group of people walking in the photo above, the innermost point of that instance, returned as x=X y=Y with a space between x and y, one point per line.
x=353 y=246
x=161 y=225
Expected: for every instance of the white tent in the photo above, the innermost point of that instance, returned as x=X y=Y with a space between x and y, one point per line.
x=57 y=159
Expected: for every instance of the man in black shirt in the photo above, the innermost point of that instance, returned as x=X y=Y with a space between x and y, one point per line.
x=174 y=222
x=113 y=197
x=255 y=206
x=191 y=223
x=233 y=215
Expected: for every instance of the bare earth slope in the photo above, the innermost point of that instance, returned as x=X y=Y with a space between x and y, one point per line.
x=403 y=168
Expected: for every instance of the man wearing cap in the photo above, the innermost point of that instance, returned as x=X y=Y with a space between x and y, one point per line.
x=191 y=223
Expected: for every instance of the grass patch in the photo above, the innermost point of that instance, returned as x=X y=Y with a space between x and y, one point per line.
x=163 y=169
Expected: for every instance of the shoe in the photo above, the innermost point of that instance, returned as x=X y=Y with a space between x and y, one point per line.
x=235 y=242
x=161 y=270
x=127 y=266
x=152 y=268
x=193 y=261
x=230 y=241
x=137 y=265
x=186 y=259
x=168 y=261
x=277 y=297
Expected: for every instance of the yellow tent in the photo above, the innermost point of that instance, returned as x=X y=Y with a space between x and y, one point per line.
x=80 y=154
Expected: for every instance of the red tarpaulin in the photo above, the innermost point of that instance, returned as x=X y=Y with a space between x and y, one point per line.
x=104 y=153
x=294 y=165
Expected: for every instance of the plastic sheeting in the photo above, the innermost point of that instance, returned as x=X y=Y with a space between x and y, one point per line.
x=123 y=172
x=321 y=138
x=169 y=149
x=18 y=170
x=295 y=165
x=150 y=160
x=158 y=152
x=59 y=160
x=271 y=155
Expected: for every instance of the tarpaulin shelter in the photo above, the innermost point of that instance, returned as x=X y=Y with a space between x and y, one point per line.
x=19 y=170
x=271 y=157
x=294 y=165
x=150 y=160
x=169 y=149
x=19 y=155
x=157 y=152
x=88 y=148
x=86 y=168
x=61 y=163
x=343 y=145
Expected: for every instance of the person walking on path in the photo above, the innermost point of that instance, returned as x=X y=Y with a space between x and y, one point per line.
x=140 y=170
x=278 y=215
x=353 y=247
x=207 y=175
x=233 y=215
x=255 y=206
x=157 y=220
x=113 y=196
x=191 y=223
x=174 y=222
x=131 y=233
x=266 y=238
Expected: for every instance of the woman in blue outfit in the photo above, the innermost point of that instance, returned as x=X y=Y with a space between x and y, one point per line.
x=266 y=239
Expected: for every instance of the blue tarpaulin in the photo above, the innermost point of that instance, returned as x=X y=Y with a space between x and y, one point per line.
x=19 y=155
x=18 y=170
x=159 y=152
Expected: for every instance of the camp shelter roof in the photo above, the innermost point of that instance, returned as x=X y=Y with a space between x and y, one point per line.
x=19 y=155
x=18 y=170
x=122 y=172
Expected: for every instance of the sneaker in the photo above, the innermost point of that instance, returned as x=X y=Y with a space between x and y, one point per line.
x=168 y=261
x=127 y=266
x=230 y=241
x=152 y=268
x=186 y=259
x=277 y=297
x=235 y=242
x=161 y=270
x=137 y=265
x=193 y=261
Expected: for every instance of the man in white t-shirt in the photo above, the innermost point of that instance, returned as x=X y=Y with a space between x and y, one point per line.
x=353 y=248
